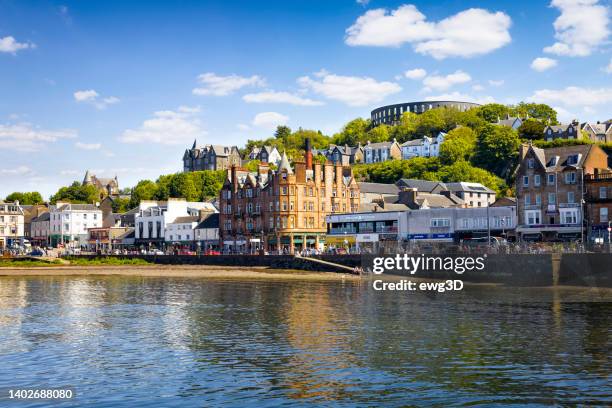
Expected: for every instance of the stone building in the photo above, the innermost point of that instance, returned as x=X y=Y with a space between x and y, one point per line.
x=598 y=199
x=549 y=189
x=266 y=154
x=344 y=155
x=381 y=151
x=283 y=210
x=106 y=186
x=565 y=132
x=598 y=132
x=210 y=157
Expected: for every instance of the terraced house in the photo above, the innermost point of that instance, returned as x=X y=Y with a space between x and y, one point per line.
x=283 y=210
x=210 y=157
x=550 y=190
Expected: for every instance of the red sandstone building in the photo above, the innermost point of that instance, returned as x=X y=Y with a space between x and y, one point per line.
x=599 y=205
x=283 y=210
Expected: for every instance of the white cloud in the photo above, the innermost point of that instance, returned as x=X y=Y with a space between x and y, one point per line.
x=243 y=127
x=457 y=96
x=11 y=46
x=216 y=85
x=363 y=2
x=541 y=64
x=354 y=91
x=17 y=171
x=417 y=73
x=26 y=137
x=280 y=97
x=166 y=127
x=465 y=34
x=270 y=120
x=92 y=97
x=442 y=83
x=88 y=146
x=574 y=96
x=608 y=68
x=580 y=29
x=494 y=82
x=478 y=87
x=69 y=173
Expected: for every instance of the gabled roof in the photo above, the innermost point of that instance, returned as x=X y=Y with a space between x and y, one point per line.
x=468 y=187
x=425 y=186
x=284 y=164
x=378 y=188
x=185 y=220
x=42 y=217
x=212 y=221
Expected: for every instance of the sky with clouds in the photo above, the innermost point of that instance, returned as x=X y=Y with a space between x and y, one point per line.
x=123 y=87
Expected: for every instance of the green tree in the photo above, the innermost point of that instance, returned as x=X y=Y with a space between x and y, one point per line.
x=538 y=111
x=496 y=148
x=406 y=129
x=353 y=132
x=121 y=205
x=181 y=186
x=27 y=198
x=76 y=193
x=459 y=144
x=252 y=165
x=492 y=112
x=282 y=132
x=378 y=134
x=464 y=171
x=144 y=190
x=531 y=129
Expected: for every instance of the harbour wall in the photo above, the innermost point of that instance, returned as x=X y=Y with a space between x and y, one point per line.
x=513 y=269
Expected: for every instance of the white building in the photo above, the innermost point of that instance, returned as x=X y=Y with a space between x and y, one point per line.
x=181 y=230
x=153 y=218
x=207 y=232
x=69 y=223
x=474 y=194
x=424 y=147
x=11 y=224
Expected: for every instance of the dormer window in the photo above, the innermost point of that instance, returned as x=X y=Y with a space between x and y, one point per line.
x=573 y=159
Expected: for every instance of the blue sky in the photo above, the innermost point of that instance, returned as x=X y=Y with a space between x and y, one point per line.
x=123 y=88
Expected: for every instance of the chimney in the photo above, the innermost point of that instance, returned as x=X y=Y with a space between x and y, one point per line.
x=263 y=169
x=408 y=196
x=203 y=214
x=234 y=179
x=308 y=154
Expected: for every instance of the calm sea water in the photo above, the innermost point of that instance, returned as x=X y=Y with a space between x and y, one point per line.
x=125 y=342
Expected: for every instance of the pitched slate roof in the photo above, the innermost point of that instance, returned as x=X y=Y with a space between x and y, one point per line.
x=556 y=158
x=212 y=221
x=185 y=220
x=425 y=186
x=378 y=188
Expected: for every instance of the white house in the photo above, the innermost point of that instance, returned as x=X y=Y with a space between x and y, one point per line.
x=40 y=229
x=207 y=232
x=181 y=230
x=151 y=221
x=69 y=223
x=11 y=224
x=424 y=147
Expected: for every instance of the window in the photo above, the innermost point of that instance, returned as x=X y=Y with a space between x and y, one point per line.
x=527 y=199
x=570 y=196
x=536 y=180
x=530 y=163
x=569 y=216
x=570 y=177
x=532 y=217
x=525 y=181
x=538 y=199
x=284 y=190
x=552 y=198
x=440 y=222
x=603 y=214
x=84 y=216
x=603 y=191
x=551 y=179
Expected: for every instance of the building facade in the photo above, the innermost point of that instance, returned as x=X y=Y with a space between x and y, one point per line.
x=40 y=228
x=381 y=151
x=424 y=147
x=266 y=154
x=210 y=157
x=69 y=223
x=391 y=114
x=550 y=189
x=565 y=132
x=206 y=233
x=600 y=132
x=11 y=224
x=599 y=206
x=106 y=186
x=152 y=219
x=344 y=155
x=283 y=210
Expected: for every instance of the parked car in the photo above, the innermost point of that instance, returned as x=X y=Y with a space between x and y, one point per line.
x=212 y=252
x=37 y=252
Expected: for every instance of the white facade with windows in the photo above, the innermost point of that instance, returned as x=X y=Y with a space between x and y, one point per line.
x=68 y=223
x=11 y=224
x=424 y=147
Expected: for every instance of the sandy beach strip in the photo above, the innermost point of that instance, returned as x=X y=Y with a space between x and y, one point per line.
x=182 y=271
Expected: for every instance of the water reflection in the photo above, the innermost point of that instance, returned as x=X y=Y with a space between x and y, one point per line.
x=193 y=342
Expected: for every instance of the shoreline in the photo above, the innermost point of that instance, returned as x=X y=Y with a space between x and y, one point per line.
x=178 y=271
